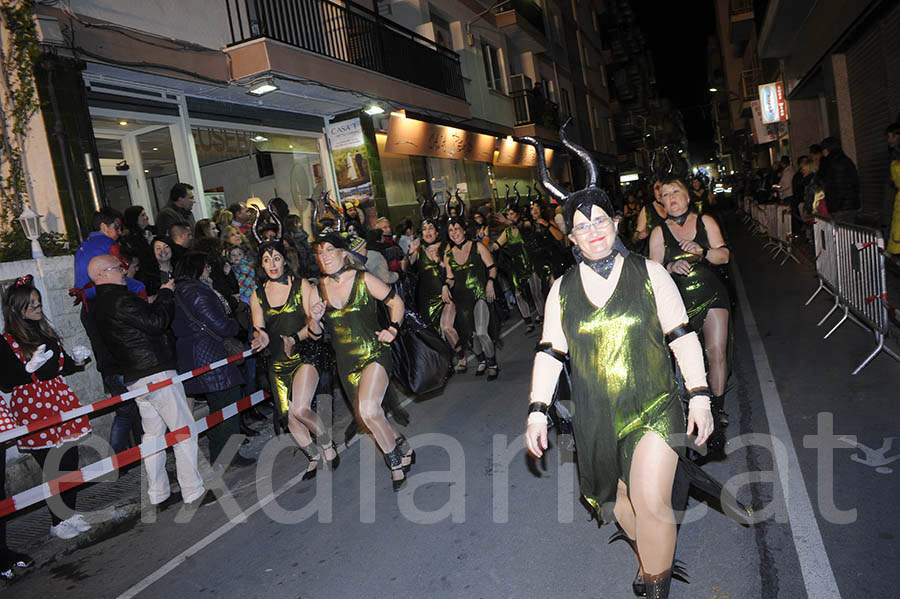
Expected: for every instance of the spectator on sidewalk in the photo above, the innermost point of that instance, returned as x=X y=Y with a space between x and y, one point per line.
x=893 y=139
x=32 y=366
x=815 y=154
x=840 y=180
x=139 y=334
x=178 y=210
x=107 y=226
x=241 y=217
x=136 y=236
x=201 y=322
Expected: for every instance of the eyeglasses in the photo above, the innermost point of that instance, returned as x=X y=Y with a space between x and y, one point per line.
x=120 y=268
x=597 y=223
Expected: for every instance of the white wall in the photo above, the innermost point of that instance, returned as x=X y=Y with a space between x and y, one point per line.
x=203 y=22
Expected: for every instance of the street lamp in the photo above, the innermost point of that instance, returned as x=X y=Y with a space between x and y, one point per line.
x=31 y=225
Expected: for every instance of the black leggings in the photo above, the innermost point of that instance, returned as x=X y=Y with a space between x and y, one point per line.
x=67 y=463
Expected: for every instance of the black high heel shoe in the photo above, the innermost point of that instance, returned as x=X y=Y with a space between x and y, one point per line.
x=406 y=452
x=312 y=454
x=334 y=462
x=394 y=461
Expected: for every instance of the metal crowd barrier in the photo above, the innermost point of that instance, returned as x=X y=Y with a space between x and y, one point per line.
x=850 y=266
x=785 y=233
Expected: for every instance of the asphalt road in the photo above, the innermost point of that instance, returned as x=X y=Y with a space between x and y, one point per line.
x=480 y=519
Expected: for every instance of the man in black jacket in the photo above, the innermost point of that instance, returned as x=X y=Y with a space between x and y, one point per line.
x=840 y=180
x=178 y=210
x=137 y=333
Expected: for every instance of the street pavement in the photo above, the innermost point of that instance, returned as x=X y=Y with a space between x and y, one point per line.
x=480 y=519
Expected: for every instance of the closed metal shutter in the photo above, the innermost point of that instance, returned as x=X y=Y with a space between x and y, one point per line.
x=873 y=69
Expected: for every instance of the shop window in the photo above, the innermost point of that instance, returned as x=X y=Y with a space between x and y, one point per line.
x=492 y=69
x=237 y=165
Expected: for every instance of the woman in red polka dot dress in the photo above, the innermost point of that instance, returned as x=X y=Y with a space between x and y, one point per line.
x=32 y=366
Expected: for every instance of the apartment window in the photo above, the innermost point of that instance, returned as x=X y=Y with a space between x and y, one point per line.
x=566 y=107
x=612 y=131
x=492 y=70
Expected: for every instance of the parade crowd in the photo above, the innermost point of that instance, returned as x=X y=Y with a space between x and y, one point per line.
x=321 y=303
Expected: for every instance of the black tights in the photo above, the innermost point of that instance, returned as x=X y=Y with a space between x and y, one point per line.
x=67 y=463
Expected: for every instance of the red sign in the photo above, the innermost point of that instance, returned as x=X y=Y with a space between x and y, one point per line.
x=772 y=102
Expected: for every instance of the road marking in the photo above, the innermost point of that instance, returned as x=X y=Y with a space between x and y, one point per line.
x=814 y=564
x=194 y=549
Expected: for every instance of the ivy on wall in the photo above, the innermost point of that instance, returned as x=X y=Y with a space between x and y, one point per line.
x=19 y=48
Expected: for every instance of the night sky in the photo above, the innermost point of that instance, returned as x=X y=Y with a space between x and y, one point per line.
x=677 y=38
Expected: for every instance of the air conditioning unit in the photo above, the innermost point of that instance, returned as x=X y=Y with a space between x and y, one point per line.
x=519 y=82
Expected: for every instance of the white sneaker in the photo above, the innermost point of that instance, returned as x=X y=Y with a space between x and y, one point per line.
x=80 y=523
x=64 y=530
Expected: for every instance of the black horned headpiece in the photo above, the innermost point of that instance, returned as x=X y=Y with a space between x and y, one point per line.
x=454 y=201
x=327 y=218
x=429 y=209
x=582 y=200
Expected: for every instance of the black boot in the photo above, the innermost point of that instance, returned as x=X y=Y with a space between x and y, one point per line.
x=637 y=586
x=492 y=369
x=407 y=452
x=657 y=585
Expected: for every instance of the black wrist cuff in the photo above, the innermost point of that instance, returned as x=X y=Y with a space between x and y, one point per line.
x=537 y=406
x=678 y=332
x=547 y=348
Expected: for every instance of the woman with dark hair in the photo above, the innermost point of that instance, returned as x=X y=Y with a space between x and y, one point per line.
x=614 y=317
x=690 y=246
x=426 y=259
x=470 y=277
x=160 y=268
x=135 y=240
x=282 y=315
x=543 y=240
x=699 y=192
x=32 y=365
x=201 y=322
x=349 y=311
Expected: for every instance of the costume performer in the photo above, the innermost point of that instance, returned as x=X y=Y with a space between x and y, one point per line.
x=471 y=274
x=281 y=316
x=690 y=246
x=426 y=258
x=543 y=242
x=615 y=315
x=361 y=347
x=526 y=283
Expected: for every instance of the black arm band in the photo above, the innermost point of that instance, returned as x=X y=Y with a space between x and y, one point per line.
x=704 y=391
x=678 y=332
x=494 y=265
x=537 y=406
x=390 y=294
x=296 y=337
x=311 y=335
x=547 y=348
x=396 y=325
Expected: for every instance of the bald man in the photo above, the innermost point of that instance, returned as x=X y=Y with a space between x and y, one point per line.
x=137 y=333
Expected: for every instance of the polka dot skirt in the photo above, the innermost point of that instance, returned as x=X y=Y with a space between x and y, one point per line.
x=7 y=421
x=42 y=399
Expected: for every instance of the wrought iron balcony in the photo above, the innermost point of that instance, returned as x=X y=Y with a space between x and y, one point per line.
x=751 y=79
x=531 y=109
x=351 y=34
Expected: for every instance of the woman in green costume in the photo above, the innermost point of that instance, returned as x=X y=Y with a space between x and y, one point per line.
x=616 y=316
x=426 y=258
x=526 y=282
x=689 y=246
x=471 y=273
x=349 y=311
x=279 y=308
x=651 y=216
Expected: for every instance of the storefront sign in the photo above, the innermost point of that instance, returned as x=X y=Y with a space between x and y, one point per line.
x=772 y=102
x=761 y=132
x=512 y=153
x=418 y=138
x=351 y=163
x=345 y=134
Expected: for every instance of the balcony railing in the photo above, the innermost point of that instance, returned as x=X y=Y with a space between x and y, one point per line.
x=528 y=9
x=351 y=34
x=532 y=109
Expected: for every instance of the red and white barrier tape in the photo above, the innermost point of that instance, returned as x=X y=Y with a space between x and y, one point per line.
x=105 y=466
x=31 y=427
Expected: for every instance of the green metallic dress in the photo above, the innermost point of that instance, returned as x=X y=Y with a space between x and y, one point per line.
x=287 y=320
x=522 y=266
x=623 y=384
x=429 y=300
x=653 y=217
x=469 y=287
x=702 y=288
x=353 y=330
